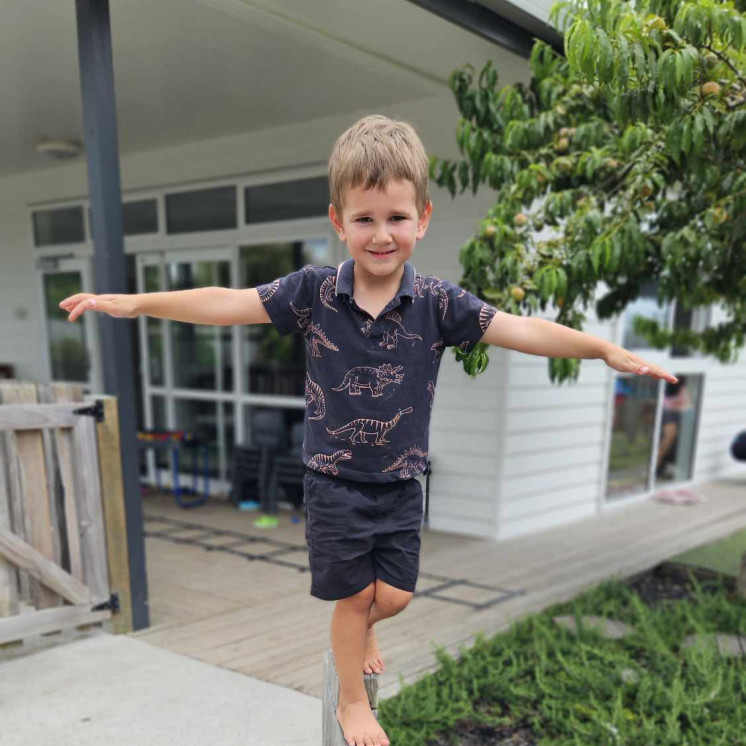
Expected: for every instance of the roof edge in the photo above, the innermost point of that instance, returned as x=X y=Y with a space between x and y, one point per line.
x=514 y=30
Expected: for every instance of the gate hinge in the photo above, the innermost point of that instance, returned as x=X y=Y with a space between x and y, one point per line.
x=111 y=605
x=97 y=410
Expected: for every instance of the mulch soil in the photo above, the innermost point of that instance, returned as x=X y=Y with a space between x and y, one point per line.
x=664 y=583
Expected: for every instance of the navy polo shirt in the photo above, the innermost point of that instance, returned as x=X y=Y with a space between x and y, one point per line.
x=370 y=383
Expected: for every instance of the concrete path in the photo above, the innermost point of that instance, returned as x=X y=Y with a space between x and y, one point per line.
x=118 y=690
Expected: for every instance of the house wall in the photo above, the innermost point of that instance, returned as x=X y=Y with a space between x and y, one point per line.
x=466 y=413
x=555 y=442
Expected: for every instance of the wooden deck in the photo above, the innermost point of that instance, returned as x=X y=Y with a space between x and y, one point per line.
x=258 y=618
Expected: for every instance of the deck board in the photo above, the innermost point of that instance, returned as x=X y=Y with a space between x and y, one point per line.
x=258 y=618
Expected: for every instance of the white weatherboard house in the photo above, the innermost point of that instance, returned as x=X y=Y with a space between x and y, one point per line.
x=227 y=111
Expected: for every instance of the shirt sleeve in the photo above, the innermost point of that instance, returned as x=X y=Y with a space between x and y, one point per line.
x=463 y=318
x=288 y=300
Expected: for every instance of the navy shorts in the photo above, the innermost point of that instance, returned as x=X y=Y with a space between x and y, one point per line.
x=359 y=531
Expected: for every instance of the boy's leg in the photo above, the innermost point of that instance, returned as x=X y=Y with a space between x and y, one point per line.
x=388 y=601
x=349 y=627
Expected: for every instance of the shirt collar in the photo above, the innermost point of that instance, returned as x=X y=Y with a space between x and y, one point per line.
x=345 y=275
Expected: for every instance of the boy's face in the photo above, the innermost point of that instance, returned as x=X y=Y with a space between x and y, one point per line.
x=381 y=227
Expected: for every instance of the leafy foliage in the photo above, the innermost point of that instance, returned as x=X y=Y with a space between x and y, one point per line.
x=632 y=148
x=573 y=690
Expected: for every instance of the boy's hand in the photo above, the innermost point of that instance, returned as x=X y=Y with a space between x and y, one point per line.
x=118 y=306
x=626 y=362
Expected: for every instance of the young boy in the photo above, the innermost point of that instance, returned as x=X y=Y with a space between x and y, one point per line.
x=375 y=333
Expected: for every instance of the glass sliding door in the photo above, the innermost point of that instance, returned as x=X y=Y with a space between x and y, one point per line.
x=202 y=355
x=632 y=432
x=275 y=366
x=653 y=433
x=188 y=368
x=70 y=347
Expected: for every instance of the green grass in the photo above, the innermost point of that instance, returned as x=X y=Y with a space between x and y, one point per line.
x=568 y=689
x=722 y=556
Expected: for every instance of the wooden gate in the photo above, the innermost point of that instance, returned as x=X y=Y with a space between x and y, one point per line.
x=63 y=548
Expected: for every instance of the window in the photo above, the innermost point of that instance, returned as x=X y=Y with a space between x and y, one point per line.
x=631 y=470
x=140 y=217
x=305 y=198
x=58 y=226
x=201 y=210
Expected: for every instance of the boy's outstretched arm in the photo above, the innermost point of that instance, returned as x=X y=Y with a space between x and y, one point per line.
x=214 y=306
x=543 y=337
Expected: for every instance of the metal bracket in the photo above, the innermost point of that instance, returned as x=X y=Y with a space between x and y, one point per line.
x=111 y=605
x=96 y=411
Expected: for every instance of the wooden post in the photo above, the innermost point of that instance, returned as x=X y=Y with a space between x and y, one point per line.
x=112 y=498
x=741 y=583
x=331 y=731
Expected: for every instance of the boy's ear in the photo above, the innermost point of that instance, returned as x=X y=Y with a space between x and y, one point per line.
x=337 y=223
x=424 y=220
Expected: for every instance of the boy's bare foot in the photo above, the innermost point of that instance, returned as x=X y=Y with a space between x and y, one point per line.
x=359 y=726
x=372 y=662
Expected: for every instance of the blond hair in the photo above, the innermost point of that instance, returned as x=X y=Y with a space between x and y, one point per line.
x=373 y=152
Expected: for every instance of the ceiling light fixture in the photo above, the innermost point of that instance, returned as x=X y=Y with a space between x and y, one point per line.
x=60 y=150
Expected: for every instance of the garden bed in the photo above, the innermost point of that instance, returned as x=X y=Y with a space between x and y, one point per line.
x=539 y=684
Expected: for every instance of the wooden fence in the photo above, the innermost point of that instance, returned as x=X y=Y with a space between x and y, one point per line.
x=63 y=544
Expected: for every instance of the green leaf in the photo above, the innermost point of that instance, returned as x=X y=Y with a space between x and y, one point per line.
x=640 y=66
x=622 y=62
x=606 y=57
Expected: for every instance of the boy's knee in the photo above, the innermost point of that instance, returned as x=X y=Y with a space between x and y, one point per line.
x=391 y=600
x=362 y=600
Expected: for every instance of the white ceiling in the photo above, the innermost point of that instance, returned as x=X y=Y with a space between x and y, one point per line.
x=188 y=70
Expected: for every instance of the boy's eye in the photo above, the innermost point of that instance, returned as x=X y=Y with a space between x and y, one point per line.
x=395 y=217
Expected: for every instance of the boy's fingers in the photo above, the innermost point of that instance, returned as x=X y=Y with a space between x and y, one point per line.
x=73 y=300
x=90 y=303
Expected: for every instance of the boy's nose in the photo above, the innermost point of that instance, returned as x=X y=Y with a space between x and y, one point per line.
x=381 y=235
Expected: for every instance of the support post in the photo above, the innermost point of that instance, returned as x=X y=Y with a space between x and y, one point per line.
x=110 y=269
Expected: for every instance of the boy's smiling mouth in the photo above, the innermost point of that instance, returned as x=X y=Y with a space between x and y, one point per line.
x=381 y=253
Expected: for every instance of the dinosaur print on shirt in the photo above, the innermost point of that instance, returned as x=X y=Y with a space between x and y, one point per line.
x=326 y=292
x=267 y=291
x=314 y=395
x=438 y=346
x=435 y=286
x=364 y=376
x=485 y=316
x=412 y=462
x=391 y=336
x=313 y=333
x=363 y=426
x=328 y=464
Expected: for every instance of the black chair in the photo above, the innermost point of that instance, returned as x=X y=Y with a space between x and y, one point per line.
x=287 y=471
x=251 y=464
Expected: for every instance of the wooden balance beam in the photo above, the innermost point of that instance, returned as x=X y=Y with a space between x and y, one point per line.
x=331 y=731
